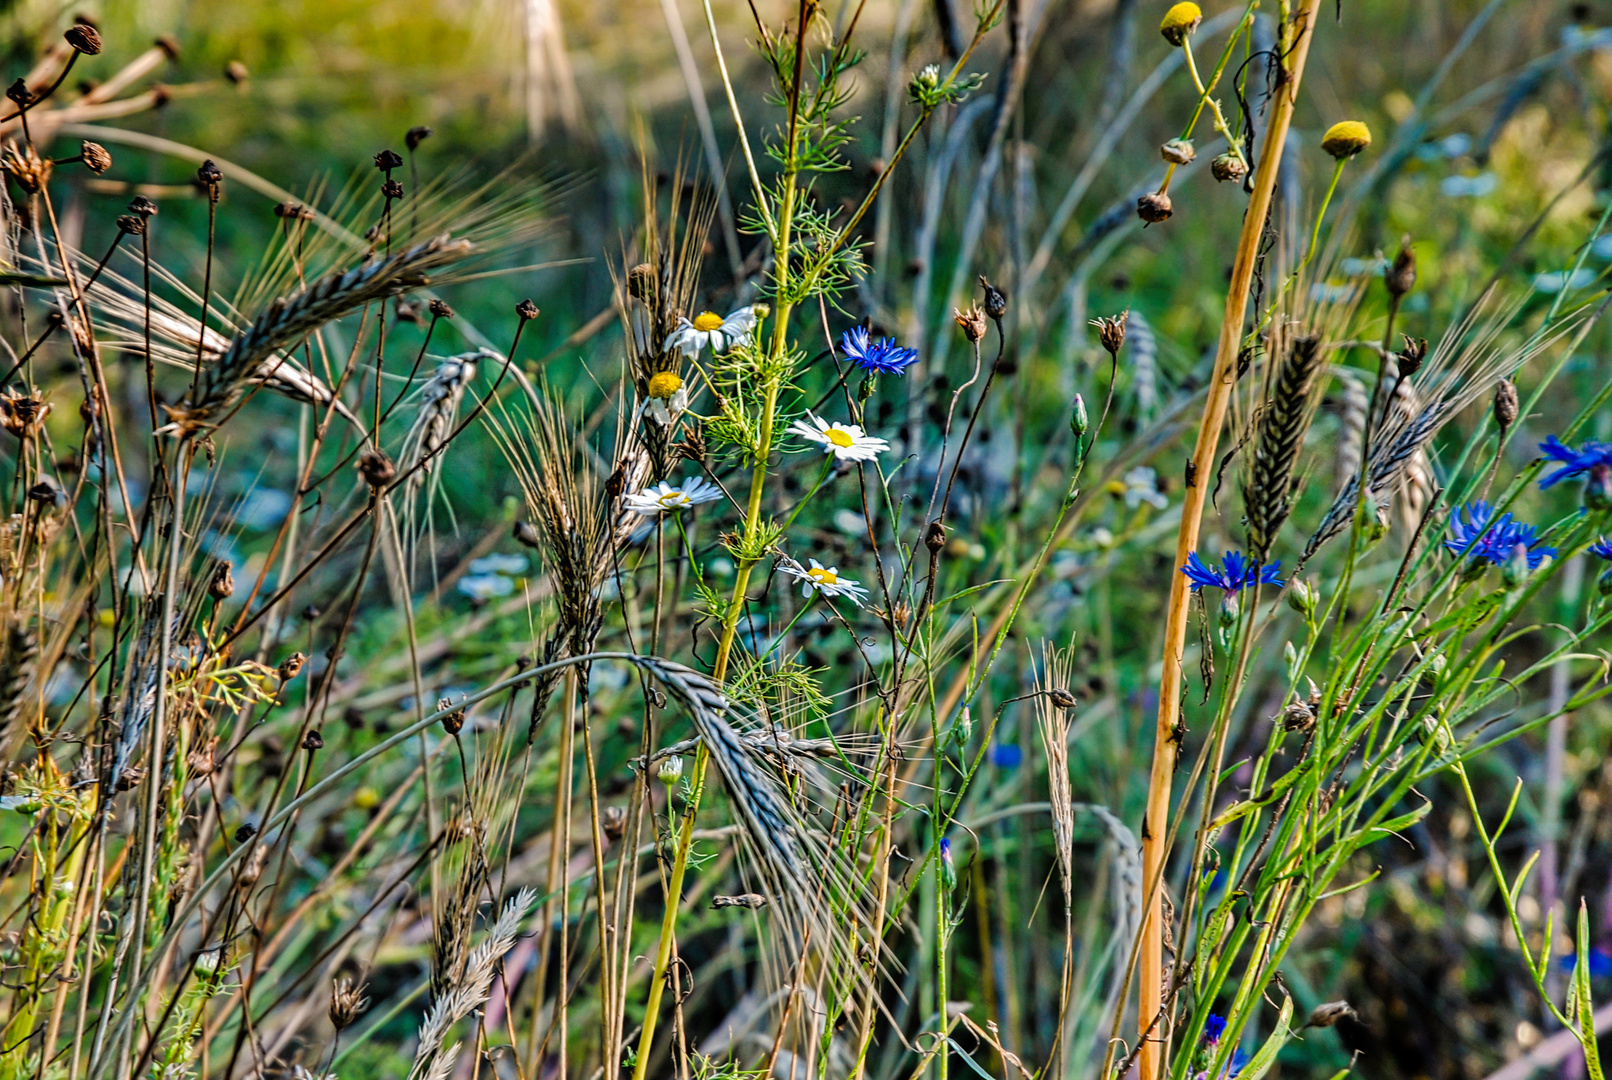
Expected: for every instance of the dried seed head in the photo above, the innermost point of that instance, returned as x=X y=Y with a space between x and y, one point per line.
x=313 y=741
x=935 y=537
x=376 y=468
x=1346 y=138
x=1228 y=166
x=290 y=666
x=753 y=901
x=84 y=38
x=222 y=585
x=1410 y=358
x=47 y=493
x=692 y=447
x=439 y=310
x=387 y=160
x=132 y=224
x=22 y=415
x=142 y=206
x=1154 y=207
x=614 y=821
x=972 y=322
x=406 y=312
x=1178 y=152
x=1180 y=22
x=526 y=310
x=209 y=175
x=19 y=93
x=1400 y=277
x=391 y=189
x=1505 y=404
x=24 y=165
x=245 y=833
x=415 y=136
x=1298 y=717
x=454 y=721
x=642 y=282
x=236 y=73
x=1330 y=1013
x=1062 y=698
x=995 y=300
x=130 y=778
x=97 y=159
x=346 y=1003
x=1111 y=331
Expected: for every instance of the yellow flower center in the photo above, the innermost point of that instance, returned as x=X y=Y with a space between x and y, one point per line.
x=673 y=499
x=665 y=384
x=823 y=577
x=838 y=436
x=706 y=321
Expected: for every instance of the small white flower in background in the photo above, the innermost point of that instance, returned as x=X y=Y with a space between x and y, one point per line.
x=485 y=586
x=668 y=397
x=708 y=329
x=670 y=771
x=663 y=498
x=1142 y=486
x=823 y=579
x=847 y=442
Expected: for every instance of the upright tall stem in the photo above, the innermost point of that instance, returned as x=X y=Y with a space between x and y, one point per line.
x=1155 y=823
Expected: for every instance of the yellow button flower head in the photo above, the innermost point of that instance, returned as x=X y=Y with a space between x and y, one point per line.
x=664 y=384
x=1346 y=138
x=1180 y=22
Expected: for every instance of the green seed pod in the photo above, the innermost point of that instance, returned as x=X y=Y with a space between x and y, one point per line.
x=1302 y=598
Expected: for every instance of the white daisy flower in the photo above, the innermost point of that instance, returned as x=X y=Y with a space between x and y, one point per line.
x=823 y=579
x=668 y=397
x=847 y=442
x=663 y=498
x=710 y=329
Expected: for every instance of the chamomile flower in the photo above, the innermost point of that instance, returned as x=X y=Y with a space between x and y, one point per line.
x=823 y=579
x=710 y=329
x=1142 y=486
x=668 y=397
x=847 y=442
x=663 y=498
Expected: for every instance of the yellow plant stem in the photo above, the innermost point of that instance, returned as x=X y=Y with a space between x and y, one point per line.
x=1155 y=823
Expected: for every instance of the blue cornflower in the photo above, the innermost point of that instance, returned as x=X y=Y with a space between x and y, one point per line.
x=1574 y=462
x=881 y=357
x=1239 y=574
x=1601 y=549
x=1485 y=538
x=1213 y=1029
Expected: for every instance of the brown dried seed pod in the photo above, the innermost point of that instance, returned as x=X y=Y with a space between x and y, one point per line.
x=614 y=821
x=1062 y=698
x=222 y=585
x=1505 y=404
x=415 y=136
x=972 y=322
x=1400 y=277
x=526 y=310
x=1111 y=331
x=97 y=159
x=995 y=300
x=83 y=38
x=376 y=468
x=387 y=160
x=347 y=1002
x=439 y=310
x=236 y=72
x=1228 y=166
x=1154 y=207
x=290 y=666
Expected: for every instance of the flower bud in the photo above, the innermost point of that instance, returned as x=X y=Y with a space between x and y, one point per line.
x=1301 y=596
x=415 y=136
x=1079 y=422
x=963 y=729
x=83 y=38
x=995 y=300
x=1230 y=611
x=948 y=868
x=376 y=468
x=1409 y=360
x=1515 y=572
x=526 y=310
x=670 y=770
x=1346 y=138
x=1178 y=152
x=1330 y=1013
x=387 y=160
x=1228 y=166
x=1154 y=207
x=222 y=584
x=1598 y=488
x=1061 y=698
